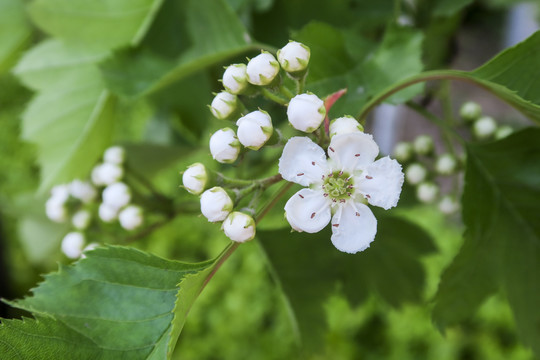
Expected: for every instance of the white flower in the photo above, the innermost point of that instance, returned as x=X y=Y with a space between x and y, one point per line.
x=262 y=69
x=81 y=219
x=224 y=146
x=345 y=125
x=427 y=192
x=82 y=190
x=235 y=78
x=60 y=192
x=484 y=127
x=107 y=213
x=216 y=204
x=116 y=195
x=294 y=57
x=55 y=209
x=306 y=112
x=114 y=155
x=131 y=217
x=106 y=174
x=72 y=244
x=403 y=151
x=194 y=178
x=470 y=111
x=223 y=105
x=415 y=174
x=423 y=145
x=239 y=227
x=254 y=129
x=337 y=188
x=446 y=164
x=448 y=205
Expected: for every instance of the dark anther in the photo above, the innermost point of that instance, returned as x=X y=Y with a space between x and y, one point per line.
x=312 y=215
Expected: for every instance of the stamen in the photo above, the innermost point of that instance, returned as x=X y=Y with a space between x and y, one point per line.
x=334 y=200
x=312 y=215
x=357 y=155
x=350 y=187
x=349 y=194
x=325 y=194
x=322 y=177
x=332 y=150
x=367 y=195
x=340 y=173
x=369 y=177
x=313 y=163
x=301 y=196
x=357 y=213
x=300 y=174
x=341 y=200
x=336 y=225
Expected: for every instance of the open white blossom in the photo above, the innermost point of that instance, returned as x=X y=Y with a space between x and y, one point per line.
x=235 y=78
x=72 y=244
x=339 y=188
x=254 y=129
x=114 y=155
x=306 y=112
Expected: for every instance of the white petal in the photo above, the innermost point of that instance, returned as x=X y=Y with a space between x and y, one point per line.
x=353 y=227
x=353 y=151
x=308 y=210
x=381 y=183
x=302 y=161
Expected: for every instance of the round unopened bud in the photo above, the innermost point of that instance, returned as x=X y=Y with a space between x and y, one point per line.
x=484 y=127
x=423 y=144
x=415 y=174
x=403 y=151
x=427 y=192
x=306 y=112
x=72 y=244
x=224 y=146
x=82 y=190
x=216 y=204
x=223 y=105
x=114 y=155
x=345 y=125
x=81 y=219
x=294 y=57
x=106 y=174
x=254 y=129
x=446 y=164
x=116 y=195
x=448 y=205
x=60 y=192
x=239 y=227
x=235 y=78
x=503 y=131
x=55 y=209
x=107 y=213
x=262 y=69
x=131 y=217
x=195 y=178
x=470 y=111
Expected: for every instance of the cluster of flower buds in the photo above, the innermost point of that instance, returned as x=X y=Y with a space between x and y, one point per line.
x=483 y=127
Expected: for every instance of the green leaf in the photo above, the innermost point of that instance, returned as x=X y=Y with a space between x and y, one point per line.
x=449 y=7
x=116 y=303
x=390 y=268
x=106 y=24
x=15 y=31
x=216 y=33
x=502 y=240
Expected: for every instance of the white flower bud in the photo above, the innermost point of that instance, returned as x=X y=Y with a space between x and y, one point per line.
x=484 y=127
x=345 y=125
x=446 y=164
x=224 y=146
x=81 y=219
x=294 y=57
x=60 y=192
x=503 y=131
x=306 y=112
x=262 y=69
x=55 y=209
x=223 y=105
x=448 y=205
x=82 y=190
x=239 y=227
x=470 y=111
x=415 y=174
x=114 y=155
x=106 y=174
x=195 y=178
x=131 y=217
x=254 y=129
x=72 y=244
x=117 y=195
x=235 y=78
x=403 y=151
x=427 y=192
x=423 y=144
x=216 y=204
x=107 y=213
x=89 y=247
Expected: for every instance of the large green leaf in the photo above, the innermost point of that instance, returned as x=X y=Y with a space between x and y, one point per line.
x=117 y=303
x=105 y=23
x=14 y=31
x=216 y=34
x=502 y=240
x=309 y=269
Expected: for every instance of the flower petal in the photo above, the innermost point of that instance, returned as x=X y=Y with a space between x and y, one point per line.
x=381 y=183
x=302 y=161
x=353 y=151
x=353 y=227
x=308 y=210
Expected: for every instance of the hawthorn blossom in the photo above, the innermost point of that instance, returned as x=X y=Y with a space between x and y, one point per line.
x=339 y=187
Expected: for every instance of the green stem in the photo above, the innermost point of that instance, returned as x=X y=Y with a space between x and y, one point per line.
x=274 y=97
x=448 y=116
x=286 y=92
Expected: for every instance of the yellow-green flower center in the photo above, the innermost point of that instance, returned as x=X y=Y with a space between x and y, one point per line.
x=338 y=186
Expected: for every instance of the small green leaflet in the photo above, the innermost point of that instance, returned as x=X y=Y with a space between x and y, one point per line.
x=15 y=31
x=118 y=302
